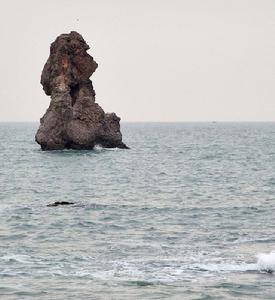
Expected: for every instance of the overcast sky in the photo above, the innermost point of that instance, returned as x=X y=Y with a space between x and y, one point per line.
x=159 y=60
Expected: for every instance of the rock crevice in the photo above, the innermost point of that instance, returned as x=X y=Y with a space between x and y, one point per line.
x=74 y=120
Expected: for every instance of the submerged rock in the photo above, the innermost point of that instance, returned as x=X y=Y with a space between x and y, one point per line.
x=57 y=203
x=73 y=119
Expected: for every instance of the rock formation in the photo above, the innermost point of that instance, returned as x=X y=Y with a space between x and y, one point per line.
x=73 y=119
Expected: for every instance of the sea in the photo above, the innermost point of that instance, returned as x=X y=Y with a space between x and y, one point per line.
x=187 y=213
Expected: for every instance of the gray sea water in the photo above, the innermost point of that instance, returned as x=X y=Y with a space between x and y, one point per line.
x=183 y=214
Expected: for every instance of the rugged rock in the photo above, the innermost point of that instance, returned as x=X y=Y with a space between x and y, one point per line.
x=73 y=119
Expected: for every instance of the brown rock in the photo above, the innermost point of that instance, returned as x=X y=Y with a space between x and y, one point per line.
x=73 y=119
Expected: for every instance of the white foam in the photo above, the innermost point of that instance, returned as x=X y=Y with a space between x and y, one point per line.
x=98 y=148
x=227 y=268
x=266 y=262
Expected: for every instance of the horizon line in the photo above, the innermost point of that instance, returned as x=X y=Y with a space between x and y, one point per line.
x=189 y=121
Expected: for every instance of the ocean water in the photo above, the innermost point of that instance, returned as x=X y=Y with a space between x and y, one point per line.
x=186 y=213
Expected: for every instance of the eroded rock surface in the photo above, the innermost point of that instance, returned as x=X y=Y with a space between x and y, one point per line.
x=73 y=119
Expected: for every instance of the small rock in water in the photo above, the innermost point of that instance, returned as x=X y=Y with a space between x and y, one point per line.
x=57 y=203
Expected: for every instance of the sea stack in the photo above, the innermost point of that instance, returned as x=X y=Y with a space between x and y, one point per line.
x=73 y=119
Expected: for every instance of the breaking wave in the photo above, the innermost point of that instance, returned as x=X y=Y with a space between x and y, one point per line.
x=266 y=262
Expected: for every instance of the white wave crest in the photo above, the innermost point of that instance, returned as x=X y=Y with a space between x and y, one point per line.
x=227 y=268
x=266 y=262
x=99 y=148
x=16 y=257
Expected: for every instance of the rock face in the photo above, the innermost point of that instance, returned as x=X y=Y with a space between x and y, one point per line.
x=73 y=119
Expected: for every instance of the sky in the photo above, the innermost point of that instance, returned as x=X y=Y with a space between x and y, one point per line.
x=159 y=60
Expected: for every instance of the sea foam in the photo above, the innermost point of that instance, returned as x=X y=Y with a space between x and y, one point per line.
x=266 y=262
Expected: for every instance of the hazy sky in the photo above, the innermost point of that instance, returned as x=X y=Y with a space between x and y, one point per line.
x=159 y=60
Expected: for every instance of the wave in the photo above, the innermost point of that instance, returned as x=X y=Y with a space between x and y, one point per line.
x=266 y=262
x=99 y=148
x=19 y=258
x=227 y=268
x=136 y=272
